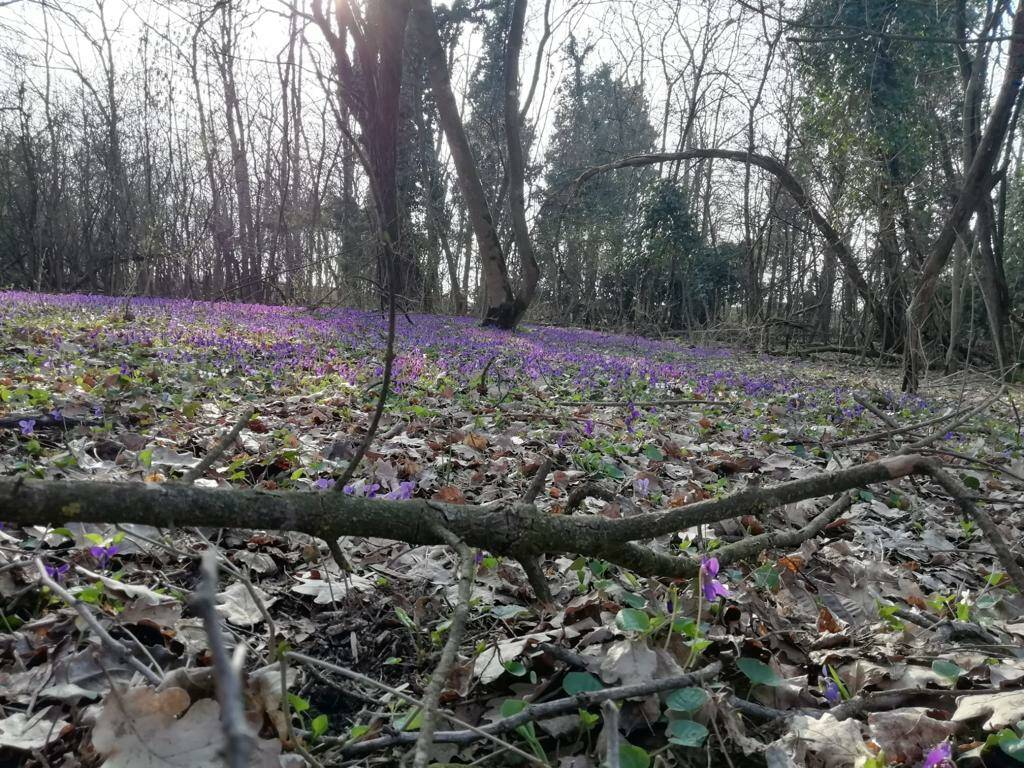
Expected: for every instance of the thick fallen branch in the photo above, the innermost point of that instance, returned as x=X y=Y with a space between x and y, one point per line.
x=515 y=529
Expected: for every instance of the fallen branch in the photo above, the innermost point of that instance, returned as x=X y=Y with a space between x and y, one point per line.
x=239 y=739
x=225 y=442
x=542 y=711
x=431 y=697
x=513 y=529
x=119 y=649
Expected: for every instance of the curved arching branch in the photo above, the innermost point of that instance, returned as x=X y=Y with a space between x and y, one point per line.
x=835 y=240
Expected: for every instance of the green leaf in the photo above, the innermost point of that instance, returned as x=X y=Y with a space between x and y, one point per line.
x=95 y=538
x=67 y=534
x=1011 y=745
x=947 y=669
x=633 y=601
x=610 y=470
x=297 y=703
x=516 y=668
x=631 y=756
x=758 y=672
x=511 y=707
x=580 y=682
x=319 y=725
x=410 y=721
x=588 y=720
x=358 y=731
x=632 y=620
x=687 y=699
x=653 y=452
x=146 y=458
x=972 y=482
x=687 y=733
x=405 y=618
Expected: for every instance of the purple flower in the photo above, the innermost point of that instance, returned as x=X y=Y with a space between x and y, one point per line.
x=56 y=414
x=940 y=756
x=103 y=554
x=588 y=427
x=325 y=483
x=641 y=487
x=58 y=572
x=403 y=492
x=27 y=426
x=713 y=588
x=831 y=692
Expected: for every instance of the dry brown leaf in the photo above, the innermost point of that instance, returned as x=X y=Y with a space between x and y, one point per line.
x=906 y=734
x=1002 y=710
x=145 y=728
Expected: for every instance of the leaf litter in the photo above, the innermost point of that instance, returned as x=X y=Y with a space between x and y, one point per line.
x=900 y=597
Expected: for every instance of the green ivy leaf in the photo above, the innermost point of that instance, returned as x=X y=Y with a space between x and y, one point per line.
x=580 y=682
x=687 y=733
x=687 y=699
x=758 y=672
x=632 y=620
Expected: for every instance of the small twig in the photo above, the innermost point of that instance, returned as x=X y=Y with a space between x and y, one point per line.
x=612 y=740
x=431 y=697
x=960 y=416
x=539 y=711
x=961 y=496
x=360 y=748
x=537 y=483
x=238 y=736
x=382 y=399
x=586 y=491
x=225 y=442
x=119 y=649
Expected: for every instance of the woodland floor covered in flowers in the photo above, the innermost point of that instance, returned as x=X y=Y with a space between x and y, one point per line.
x=891 y=638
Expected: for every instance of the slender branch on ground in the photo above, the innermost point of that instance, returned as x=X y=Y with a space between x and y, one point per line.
x=537 y=483
x=238 y=736
x=960 y=416
x=118 y=648
x=961 y=496
x=587 y=491
x=539 y=711
x=382 y=399
x=612 y=740
x=457 y=627
x=360 y=748
x=225 y=442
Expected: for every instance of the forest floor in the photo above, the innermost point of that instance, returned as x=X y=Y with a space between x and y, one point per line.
x=901 y=595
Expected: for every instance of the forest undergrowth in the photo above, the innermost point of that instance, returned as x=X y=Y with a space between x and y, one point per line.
x=887 y=632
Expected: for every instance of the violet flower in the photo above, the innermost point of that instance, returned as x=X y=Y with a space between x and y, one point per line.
x=831 y=692
x=325 y=483
x=57 y=573
x=713 y=588
x=642 y=487
x=940 y=756
x=27 y=426
x=104 y=554
x=403 y=492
